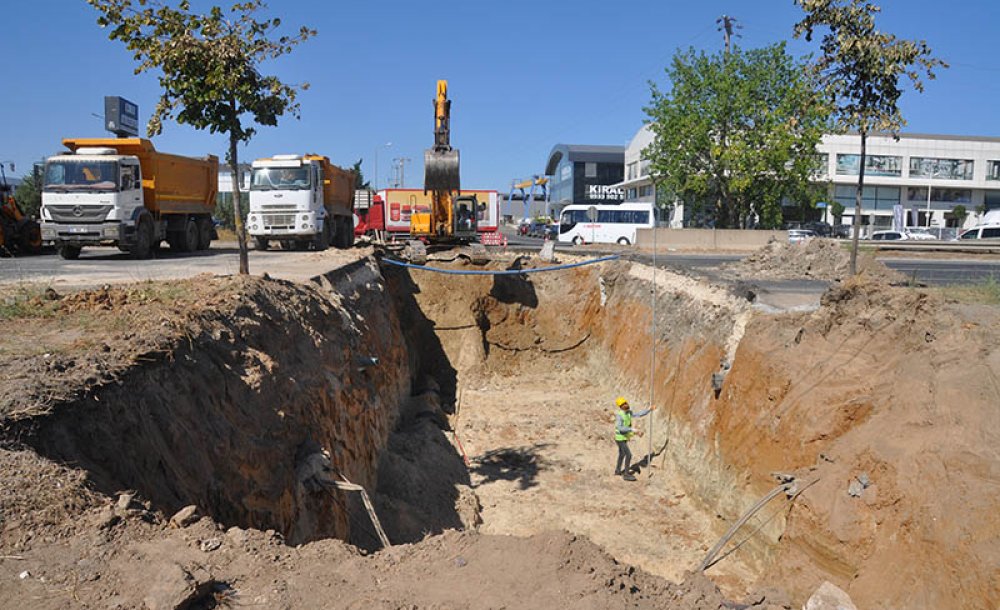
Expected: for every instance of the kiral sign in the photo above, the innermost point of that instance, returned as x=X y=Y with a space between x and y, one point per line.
x=602 y=191
x=121 y=117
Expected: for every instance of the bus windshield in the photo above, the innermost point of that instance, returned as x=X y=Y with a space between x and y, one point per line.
x=66 y=175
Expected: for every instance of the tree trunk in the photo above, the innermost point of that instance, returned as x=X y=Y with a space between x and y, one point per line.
x=857 y=205
x=241 y=236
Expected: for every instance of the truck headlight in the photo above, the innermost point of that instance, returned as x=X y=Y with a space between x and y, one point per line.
x=305 y=217
x=110 y=231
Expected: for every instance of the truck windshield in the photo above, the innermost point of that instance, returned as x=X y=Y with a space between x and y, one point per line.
x=283 y=178
x=81 y=176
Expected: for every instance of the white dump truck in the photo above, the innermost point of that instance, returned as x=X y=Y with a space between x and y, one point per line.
x=301 y=200
x=122 y=192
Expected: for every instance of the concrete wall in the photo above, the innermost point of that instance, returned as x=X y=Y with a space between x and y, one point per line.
x=707 y=239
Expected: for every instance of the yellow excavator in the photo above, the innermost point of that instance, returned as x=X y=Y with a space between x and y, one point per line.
x=451 y=219
x=18 y=232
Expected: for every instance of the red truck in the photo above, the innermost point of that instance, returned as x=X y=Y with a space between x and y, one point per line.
x=389 y=210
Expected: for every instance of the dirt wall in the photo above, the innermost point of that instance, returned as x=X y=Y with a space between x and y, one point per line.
x=270 y=387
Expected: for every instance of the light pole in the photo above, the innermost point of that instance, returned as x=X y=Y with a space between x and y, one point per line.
x=400 y=163
x=386 y=145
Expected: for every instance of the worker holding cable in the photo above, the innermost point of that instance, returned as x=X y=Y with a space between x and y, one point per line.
x=623 y=432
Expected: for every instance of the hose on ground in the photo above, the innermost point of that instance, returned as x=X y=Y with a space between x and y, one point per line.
x=603 y=259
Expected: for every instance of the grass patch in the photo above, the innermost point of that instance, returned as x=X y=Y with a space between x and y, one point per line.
x=984 y=293
x=26 y=301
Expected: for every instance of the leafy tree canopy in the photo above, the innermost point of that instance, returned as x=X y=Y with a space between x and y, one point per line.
x=359 y=177
x=737 y=132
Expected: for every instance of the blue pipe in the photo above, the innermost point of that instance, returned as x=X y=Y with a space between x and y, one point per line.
x=603 y=259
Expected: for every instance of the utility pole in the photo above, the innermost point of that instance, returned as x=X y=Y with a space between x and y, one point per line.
x=728 y=26
x=400 y=167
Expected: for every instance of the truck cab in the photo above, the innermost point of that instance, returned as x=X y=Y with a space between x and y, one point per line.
x=91 y=197
x=300 y=200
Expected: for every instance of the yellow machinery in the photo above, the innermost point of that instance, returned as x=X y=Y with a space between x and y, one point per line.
x=18 y=233
x=452 y=216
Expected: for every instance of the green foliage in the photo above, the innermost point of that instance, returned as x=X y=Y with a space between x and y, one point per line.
x=359 y=178
x=209 y=64
x=737 y=133
x=29 y=194
x=860 y=69
x=837 y=210
x=224 y=209
x=981 y=209
x=960 y=214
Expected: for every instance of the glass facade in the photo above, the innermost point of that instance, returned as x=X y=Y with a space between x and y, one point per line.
x=942 y=169
x=577 y=182
x=940 y=195
x=875 y=165
x=993 y=170
x=872 y=198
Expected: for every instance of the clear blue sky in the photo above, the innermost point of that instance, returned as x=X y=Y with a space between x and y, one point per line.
x=523 y=75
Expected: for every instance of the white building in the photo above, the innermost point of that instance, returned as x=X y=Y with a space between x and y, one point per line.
x=958 y=170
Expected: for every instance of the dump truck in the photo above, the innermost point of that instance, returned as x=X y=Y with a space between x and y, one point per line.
x=123 y=192
x=301 y=201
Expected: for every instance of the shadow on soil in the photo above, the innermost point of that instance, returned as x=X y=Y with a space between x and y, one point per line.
x=517 y=464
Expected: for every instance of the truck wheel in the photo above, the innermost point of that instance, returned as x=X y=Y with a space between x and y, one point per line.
x=70 y=253
x=185 y=240
x=205 y=231
x=322 y=238
x=143 y=247
x=260 y=243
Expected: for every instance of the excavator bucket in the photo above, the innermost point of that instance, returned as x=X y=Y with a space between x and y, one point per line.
x=441 y=170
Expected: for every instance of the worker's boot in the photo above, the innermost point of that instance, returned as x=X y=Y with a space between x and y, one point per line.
x=628 y=476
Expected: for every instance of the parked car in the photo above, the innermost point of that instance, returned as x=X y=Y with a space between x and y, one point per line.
x=843 y=231
x=797 y=236
x=919 y=234
x=981 y=232
x=889 y=236
x=820 y=228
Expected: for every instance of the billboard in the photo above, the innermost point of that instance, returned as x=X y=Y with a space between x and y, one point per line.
x=400 y=204
x=121 y=117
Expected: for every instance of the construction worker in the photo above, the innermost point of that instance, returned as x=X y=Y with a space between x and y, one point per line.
x=623 y=432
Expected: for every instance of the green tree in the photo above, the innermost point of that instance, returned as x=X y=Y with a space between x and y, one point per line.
x=209 y=69
x=29 y=193
x=837 y=210
x=960 y=214
x=737 y=132
x=860 y=69
x=359 y=178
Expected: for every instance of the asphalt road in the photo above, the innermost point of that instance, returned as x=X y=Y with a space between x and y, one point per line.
x=106 y=265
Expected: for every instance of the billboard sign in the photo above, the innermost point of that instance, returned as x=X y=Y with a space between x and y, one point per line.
x=121 y=117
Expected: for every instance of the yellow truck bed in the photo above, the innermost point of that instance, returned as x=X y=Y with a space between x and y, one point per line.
x=338 y=190
x=171 y=184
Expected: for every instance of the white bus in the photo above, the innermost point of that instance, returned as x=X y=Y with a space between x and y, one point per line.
x=615 y=223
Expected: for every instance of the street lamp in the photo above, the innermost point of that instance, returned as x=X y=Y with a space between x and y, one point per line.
x=386 y=145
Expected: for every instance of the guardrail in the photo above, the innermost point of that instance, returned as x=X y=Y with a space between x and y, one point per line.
x=968 y=246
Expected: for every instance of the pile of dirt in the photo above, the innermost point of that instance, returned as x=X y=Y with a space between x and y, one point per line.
x=818 y=259
x=126 y=556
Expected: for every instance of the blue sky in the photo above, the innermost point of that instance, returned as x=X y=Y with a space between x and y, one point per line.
x=523 y=75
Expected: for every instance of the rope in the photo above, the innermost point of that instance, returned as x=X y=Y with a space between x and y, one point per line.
x=603 y=259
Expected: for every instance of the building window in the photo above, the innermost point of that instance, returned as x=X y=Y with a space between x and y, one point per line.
x=631 y=195
x=822 y=164
x=919 y=193
x=633 y=170
x=644 y=167
x=590 y=170
x=873 y=197
x=993 y=170
x=646 y=191
x=943 y=169
x=875 y=165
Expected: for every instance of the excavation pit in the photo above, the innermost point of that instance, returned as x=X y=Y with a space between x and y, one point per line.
x=251 y=398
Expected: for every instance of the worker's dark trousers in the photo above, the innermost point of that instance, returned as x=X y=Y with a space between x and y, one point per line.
x=624 y=457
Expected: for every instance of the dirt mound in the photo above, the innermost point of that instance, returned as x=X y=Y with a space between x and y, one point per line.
x=128 y=557
x=819 y=259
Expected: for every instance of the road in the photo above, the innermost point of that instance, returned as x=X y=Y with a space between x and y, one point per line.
x=98 y=266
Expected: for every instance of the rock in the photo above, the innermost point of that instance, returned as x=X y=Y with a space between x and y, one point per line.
x=24 y=574
x=855 y=488
x=185 y=516
x=829 y=597
x=174 y=587
x=210 y=545
x=125 y=500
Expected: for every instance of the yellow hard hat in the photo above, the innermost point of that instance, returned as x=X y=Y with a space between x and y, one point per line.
x=620 y=401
